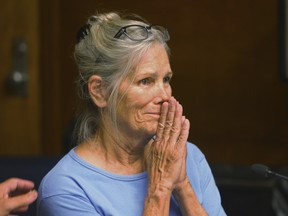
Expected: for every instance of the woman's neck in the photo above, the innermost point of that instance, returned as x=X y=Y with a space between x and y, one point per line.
x=116 y=155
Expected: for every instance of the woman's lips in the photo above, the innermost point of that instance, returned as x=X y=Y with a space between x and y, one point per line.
x=154 y=114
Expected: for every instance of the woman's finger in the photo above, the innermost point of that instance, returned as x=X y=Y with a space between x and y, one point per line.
x=162 y=120
x=170 y=117
x=177 y=124
x=184 y=133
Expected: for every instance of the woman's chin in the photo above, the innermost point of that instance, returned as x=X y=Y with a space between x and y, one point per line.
x=152 y=131
x=149 y=129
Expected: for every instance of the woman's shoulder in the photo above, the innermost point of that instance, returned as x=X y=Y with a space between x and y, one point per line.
x=60 y=178
x=194 y=152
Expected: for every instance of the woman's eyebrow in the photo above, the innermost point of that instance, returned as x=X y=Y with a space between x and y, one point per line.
x=170 y=73
x=152 y=73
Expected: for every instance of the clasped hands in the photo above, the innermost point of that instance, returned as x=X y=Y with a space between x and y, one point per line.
x=166 y=154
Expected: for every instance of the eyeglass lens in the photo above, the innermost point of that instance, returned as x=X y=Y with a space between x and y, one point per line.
x=136 y=32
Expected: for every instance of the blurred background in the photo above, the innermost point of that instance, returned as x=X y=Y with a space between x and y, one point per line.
x=228 y=59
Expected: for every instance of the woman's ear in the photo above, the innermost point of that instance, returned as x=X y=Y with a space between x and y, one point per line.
x=97 y=91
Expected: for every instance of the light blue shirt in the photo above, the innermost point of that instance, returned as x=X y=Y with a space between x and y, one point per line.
x=75 y=187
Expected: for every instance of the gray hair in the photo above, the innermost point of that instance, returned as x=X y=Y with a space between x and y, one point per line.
x=97 y=52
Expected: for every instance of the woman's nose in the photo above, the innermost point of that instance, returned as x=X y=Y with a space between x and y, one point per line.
x=165 y=92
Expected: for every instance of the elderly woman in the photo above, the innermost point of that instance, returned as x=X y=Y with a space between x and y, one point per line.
x=132 y=156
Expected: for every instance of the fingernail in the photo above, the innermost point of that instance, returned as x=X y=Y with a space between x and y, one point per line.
x=33 y=191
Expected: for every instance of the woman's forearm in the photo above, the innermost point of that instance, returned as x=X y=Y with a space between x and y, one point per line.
x=186 y=197
x=157 y=202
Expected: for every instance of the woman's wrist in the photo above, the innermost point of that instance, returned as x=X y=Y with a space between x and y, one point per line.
x=182 y=186
x=187 y=199
x=159 y=190
x=157 y=200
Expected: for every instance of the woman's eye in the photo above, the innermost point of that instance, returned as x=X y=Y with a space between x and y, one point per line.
x=167 y=79
x=145 y=81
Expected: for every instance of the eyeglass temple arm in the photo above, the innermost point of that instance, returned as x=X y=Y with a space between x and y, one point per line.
x=119 y=33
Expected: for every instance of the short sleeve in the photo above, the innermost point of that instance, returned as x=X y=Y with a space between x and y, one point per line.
x=66 y=205
x=209 y=193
